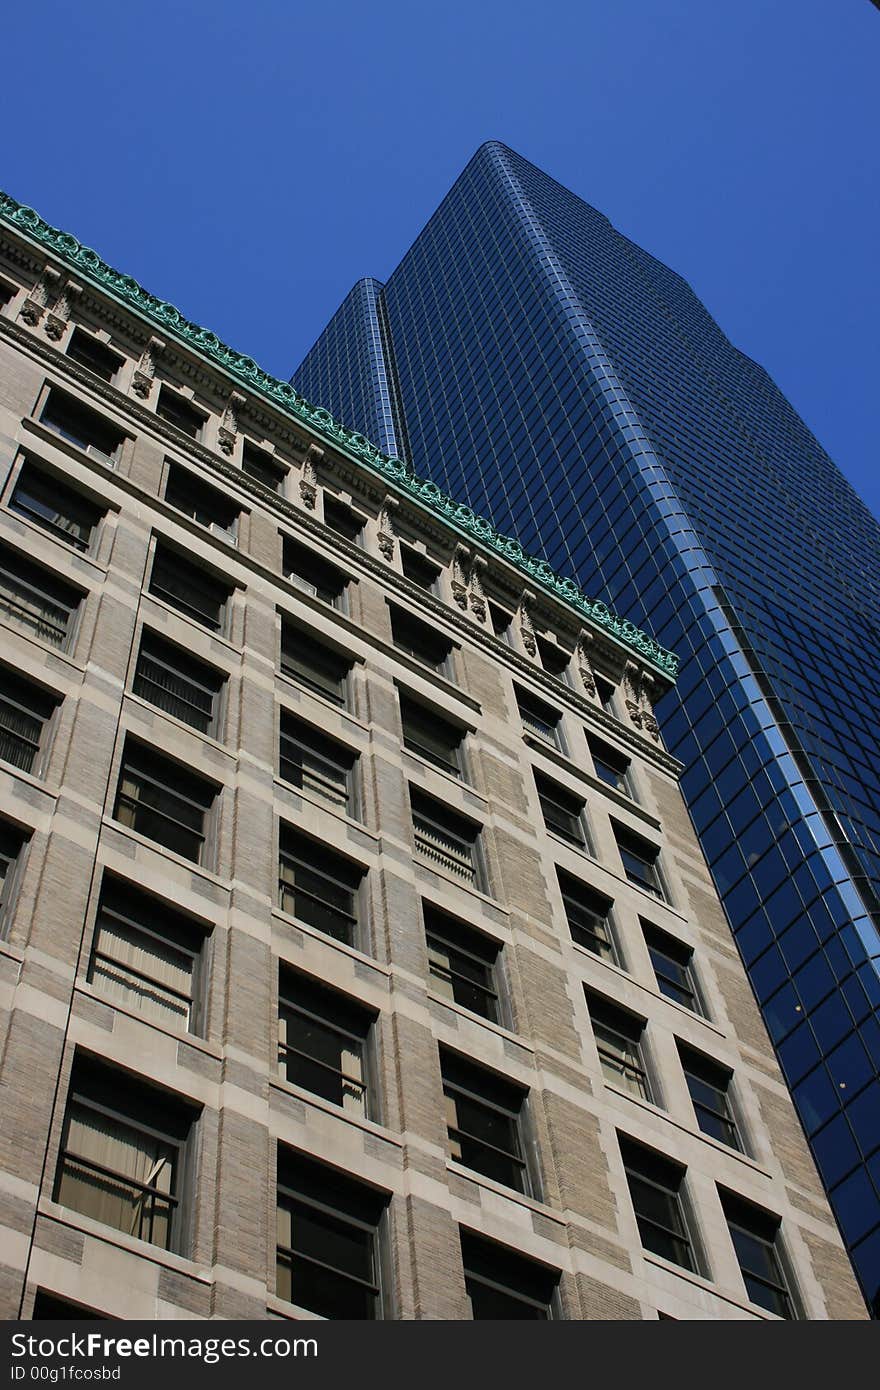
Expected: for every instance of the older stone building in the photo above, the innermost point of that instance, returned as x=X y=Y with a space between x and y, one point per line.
x=357 y=958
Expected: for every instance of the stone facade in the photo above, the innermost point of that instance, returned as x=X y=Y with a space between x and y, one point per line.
x=149 y=453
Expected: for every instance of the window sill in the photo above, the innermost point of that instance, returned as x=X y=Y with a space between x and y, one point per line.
x=449 y=877
x=338 y=1112
x=292 y=1312
x=106 y=464
x=692 y=1132
x=699 y=1281
x=89 y=991
x=30 y=779
x=291 y=791
x=140 y=703
x=206 y=631
x=449 y=778
x=567 y=764
x=33 y=529
x=288 y=919
x=46 y=648
x=498 y=1189
x=497 y=1028
x=142 y=1249
x=190 y=865
x=622 y=973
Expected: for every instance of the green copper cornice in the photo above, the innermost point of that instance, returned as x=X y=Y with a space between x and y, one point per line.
x=89 y=264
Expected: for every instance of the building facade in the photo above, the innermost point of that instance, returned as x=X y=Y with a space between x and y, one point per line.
x=357 y=956
x=560 y=379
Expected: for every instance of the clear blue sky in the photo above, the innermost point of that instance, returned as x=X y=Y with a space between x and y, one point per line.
x=250 y=161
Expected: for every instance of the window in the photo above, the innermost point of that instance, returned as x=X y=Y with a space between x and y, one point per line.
x=203 y=503
x=419 y=569
x=49 y=503
x=341 y=519
x=11 y=844
x=655 y=1185
x=317 y=764
x=91 y=352
x=611 y=767
x=502 y=623
x=328 y=1240
x=538 y=718
x=177 y=410
x=589 y=917
x=424 y=643
x=318 y=886
x=484 y=1119
x=639 y=859
x=123 y=1154
x=25 y=710
x=189 y=588
x=673 y=967
x=446 y=839
x=605 y=692
x=503 y=1284
x=563 y=811
x=147 y=956
x=755 y=1236
x=554 y=658
x=431 y=736
x=83 y=427
x=618 y=1037
x=36 y=600
x=322 y=1043
x=48 y=1306
x=310 y=663
x=462 y=963
x=709 y=1084
x=314 y=575
x=263 y=466
x=178 y=683
x=161 y=800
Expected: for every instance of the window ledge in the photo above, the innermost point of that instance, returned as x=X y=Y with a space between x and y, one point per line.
x=141 y=703
x=567 y=764
x=444 y=877
x=73 y=1220
x=86 y=988
x=293 y=1312
x=191 y=622
x=693 y=1132
x=279 y=784
x=288 y=919
x=45 y=648
x=481 y=1022
x=33 y=529
x=191 y=865
x=277 y=1083
x=460 y=782
x=67 y=446
x=30 y=780
x=498 y=1189
x=699 y=1281
x=622 y=973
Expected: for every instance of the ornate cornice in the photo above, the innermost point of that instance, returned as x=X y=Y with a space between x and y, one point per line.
x=282 y=395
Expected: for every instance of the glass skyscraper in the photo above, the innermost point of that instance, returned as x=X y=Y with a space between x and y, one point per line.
x=544 y=369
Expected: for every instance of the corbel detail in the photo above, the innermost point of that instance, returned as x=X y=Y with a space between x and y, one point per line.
x=639 y=694
x=58 y=318
x=585 y=662
x=145 y=371
x=308 y=482
x=461 y=564
x=228 y=429
x=43 y=292
x=477 y=593
x=387 y=534
x=524 y=618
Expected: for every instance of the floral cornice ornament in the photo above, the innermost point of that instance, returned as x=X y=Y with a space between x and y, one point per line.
x=282 y=394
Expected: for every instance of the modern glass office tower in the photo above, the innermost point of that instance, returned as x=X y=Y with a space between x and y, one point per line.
x=558 y=377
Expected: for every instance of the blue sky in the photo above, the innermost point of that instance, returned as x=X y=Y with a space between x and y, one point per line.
x=249 y=162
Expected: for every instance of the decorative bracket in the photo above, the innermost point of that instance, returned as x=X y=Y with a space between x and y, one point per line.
x=308 y=483
x=228 y=429
x=44 y=291
x=526 y=626
x=584 y=661
x=461 y=564
x=387 y=534
x=639 y=694
x=145 y=371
